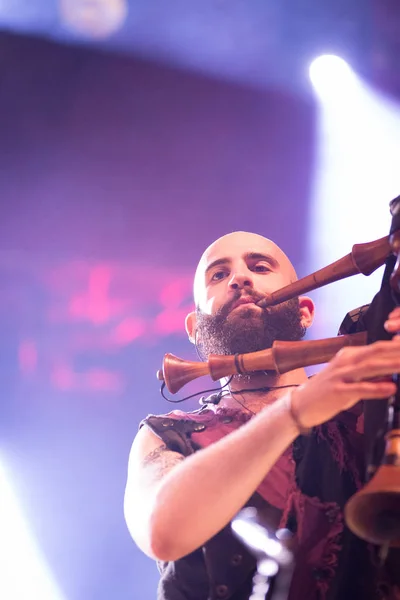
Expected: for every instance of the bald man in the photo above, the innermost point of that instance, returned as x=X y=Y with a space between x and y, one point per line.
x=189 y=474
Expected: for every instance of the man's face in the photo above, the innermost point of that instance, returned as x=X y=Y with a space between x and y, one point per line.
x=233 y=274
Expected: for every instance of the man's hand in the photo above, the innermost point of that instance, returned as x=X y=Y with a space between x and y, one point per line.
x=354 y=374
x=392 y=325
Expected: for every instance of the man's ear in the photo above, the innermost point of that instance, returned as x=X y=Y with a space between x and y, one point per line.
x=307 y=311
x=190 y=325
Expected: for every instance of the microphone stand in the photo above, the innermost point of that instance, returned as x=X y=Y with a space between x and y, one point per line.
x=275 y=563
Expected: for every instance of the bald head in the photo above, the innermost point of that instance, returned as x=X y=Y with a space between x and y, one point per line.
x=234 y=273
x=237 y=250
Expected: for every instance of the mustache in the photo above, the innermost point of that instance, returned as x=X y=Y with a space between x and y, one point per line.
x=224 y=311
x=219 y=334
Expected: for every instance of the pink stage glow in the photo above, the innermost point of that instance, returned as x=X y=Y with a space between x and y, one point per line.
x=97 y=309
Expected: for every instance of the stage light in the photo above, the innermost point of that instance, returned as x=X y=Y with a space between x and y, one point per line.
x=24 y=573
x=93 y=18
x=356 y=175
x=331 y=75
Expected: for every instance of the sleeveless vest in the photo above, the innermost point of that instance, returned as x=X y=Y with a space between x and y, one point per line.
x=305 y=491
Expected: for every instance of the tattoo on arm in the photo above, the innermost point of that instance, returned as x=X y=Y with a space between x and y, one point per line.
x=161 y=460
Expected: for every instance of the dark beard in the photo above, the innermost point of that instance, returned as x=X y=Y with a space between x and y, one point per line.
x=247 y=331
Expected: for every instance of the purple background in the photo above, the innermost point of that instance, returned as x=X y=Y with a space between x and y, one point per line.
x=115 y=175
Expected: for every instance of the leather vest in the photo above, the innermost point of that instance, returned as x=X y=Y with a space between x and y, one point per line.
x=305 y=491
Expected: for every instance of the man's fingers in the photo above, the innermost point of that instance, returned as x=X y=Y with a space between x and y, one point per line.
x=392 y=325
x=356 y=354
x=395 y=312
x=376 y=360
x=369 y=370
x=368 y=390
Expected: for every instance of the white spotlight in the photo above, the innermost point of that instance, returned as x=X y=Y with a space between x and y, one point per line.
x=24 y=572
x=331 y=75
x=93 y=18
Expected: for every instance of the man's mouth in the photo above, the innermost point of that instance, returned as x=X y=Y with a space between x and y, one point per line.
x=244 y=300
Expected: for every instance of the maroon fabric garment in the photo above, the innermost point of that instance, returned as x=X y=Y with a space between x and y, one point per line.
x=305 y=491
x=275 y=485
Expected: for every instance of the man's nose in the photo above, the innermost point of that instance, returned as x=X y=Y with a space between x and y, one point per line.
x=240 y=280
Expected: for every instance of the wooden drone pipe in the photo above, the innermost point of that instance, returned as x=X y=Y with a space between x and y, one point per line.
x=364 y=258
x=282 y=357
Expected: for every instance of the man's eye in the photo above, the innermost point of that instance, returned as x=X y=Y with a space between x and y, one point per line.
x=261 y=268
x=218 y=275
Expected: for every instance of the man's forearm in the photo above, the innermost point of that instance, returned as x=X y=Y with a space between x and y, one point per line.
x=200 y=496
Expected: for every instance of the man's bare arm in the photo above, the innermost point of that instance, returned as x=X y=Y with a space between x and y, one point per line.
x=149 y=461
x=173 y=506
x=161 y=460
